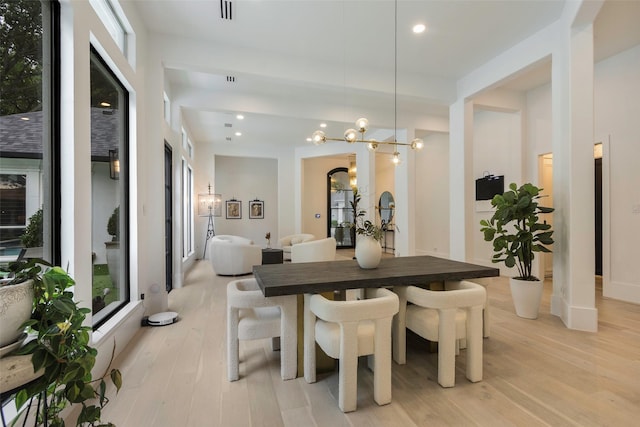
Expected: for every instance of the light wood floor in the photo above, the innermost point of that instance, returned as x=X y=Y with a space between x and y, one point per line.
x=536 y=372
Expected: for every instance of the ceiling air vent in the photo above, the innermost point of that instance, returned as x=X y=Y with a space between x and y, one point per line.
x=228 y=138
x=231 y=79
x=228 y=125
x=226 y=9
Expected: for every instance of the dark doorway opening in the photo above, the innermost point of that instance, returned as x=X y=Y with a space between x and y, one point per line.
x=168 y=217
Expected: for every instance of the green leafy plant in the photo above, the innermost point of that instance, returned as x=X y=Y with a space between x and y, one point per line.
x=61 y=349
x=32 y=236
x=516 y=230
x=362 y=226
x=113 y=225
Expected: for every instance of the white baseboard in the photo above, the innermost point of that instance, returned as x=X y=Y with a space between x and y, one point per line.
x=628 y=292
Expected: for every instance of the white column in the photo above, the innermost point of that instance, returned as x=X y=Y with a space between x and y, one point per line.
x=573 y=181
x=461 y=183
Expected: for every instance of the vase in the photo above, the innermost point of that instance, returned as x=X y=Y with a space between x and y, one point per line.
x=526 y=295
x=368 y=252
x=16 y=304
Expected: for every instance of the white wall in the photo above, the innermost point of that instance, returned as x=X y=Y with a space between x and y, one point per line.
x=432 y=197
x=245 y=179
x=617 y=109
x=497 y=150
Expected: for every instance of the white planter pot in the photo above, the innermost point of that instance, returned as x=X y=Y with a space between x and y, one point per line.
x=526 y=295
x=368 y=252
x=16 y=303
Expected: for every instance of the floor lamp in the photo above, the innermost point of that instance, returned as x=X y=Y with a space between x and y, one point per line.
x=209 y=205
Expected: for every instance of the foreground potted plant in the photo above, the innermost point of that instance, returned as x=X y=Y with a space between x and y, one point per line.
x=517 y=233
x=368 y=236
x=60 y=349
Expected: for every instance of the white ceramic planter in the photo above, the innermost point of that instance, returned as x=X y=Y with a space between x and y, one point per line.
x=368 y=252
x=16 y=303
x=526 y=296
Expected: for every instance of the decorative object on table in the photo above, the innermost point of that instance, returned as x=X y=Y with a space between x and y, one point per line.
x=368 y=236
x=268 y=237
x=256 y=209
x=61 y=349
x=517 y=232
x=209 y=205
x=234 y=209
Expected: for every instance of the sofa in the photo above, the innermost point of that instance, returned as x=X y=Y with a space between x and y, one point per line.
x=233 y=255
x=286 y=242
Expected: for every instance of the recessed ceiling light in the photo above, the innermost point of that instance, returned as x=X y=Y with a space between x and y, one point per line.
x=323 y=125
x=24 y=118
x=309 y=139
x=238 y=133
x=419 y=28
x=239 y=117
x=105 y=104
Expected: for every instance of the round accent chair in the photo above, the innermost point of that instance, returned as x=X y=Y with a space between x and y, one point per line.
x=233 y=255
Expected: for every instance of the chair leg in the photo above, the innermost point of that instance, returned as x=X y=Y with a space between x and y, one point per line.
x=399 y=335
x=233 y=345
x=289 y=338
x=474 y=343
x=309 y=342
x=348 y=375
x=382 y=363
x=447 y=347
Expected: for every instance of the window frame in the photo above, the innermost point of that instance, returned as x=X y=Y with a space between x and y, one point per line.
x=124 y=176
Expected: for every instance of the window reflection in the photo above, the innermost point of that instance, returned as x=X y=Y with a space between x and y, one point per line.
x=108 y=191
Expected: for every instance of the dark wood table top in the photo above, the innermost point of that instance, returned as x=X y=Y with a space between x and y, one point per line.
x=315 y=277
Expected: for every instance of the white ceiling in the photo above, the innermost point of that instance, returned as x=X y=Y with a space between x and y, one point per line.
x=352 y=44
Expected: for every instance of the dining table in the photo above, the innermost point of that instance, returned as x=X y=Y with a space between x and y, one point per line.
x=325 y=276
x=297 y=279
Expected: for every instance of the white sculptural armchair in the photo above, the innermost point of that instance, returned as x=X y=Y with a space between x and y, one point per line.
x=445 y=317
x=346 y=330
x=251 y=315
x=314 y=250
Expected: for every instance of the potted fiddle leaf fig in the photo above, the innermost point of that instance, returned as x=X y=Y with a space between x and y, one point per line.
x=518 y=233
x=59 y=351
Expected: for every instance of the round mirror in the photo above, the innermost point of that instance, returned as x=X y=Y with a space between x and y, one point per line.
x=387 y=207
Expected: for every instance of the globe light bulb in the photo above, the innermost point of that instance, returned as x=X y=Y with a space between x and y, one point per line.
x=396 y=158
x=351 y=136
x=417 y=144
x=362 y=124
x=318 y=137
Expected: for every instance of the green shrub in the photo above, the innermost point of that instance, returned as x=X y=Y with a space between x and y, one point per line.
x=32 y=237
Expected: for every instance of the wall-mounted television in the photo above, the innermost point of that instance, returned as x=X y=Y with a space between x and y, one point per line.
x=488 y=186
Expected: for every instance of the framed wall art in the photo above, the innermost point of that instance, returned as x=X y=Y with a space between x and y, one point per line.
x=256 y=209
x=234 y=209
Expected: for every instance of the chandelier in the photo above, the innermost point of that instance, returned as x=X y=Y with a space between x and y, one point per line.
x=362 y=124
x=351 y=136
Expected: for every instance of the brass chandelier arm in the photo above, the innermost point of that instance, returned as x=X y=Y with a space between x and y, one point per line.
x=369 y=141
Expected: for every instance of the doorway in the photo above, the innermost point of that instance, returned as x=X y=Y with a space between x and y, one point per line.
x=168 y=216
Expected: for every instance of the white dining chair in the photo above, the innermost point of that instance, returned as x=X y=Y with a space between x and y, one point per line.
x=251 y=315
x=445 y=317
x=346 y=330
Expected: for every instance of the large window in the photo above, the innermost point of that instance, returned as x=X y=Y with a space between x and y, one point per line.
x=109 y=191
x=28 y=93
